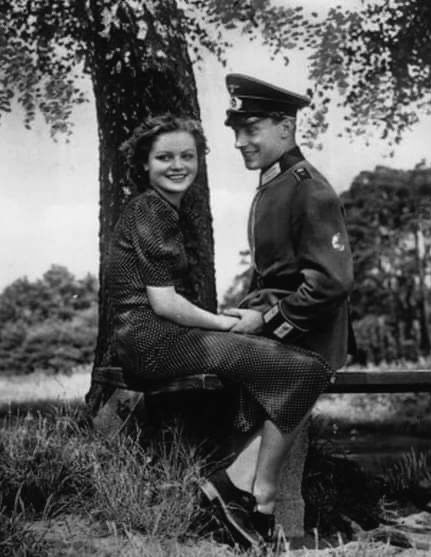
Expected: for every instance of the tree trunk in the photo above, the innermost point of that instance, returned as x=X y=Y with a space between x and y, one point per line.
x=425 y=338
x=140 y=66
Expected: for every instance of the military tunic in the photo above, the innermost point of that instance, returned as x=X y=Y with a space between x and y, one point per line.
x=303 y=270
x=275 y=380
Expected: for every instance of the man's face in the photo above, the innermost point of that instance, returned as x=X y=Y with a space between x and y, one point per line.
x=260 y=140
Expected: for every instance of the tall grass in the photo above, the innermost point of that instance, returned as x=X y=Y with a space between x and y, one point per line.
x=153 y=490
x=143 y=496
x=16 y=537
x=45 y=461
x=407 y=474
x=55 y=464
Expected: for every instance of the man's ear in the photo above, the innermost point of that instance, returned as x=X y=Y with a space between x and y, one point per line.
x=286 y=127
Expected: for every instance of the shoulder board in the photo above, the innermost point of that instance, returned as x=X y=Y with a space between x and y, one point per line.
x=301 y=174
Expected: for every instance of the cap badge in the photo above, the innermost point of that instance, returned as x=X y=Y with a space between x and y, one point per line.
x=232 y=87
x=337 y=242
x=236 y=103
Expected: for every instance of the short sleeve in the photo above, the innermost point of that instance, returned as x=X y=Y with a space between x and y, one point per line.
x=157 y=241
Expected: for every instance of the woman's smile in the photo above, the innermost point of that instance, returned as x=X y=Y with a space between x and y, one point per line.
x=177 y=177
x=173 y=164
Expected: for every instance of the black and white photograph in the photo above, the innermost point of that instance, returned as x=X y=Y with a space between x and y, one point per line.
x=215 y=279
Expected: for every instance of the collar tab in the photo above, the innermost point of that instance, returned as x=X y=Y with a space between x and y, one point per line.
x=270 y=173
x=286 y=161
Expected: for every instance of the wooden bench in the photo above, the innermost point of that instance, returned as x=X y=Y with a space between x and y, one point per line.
x=372 y=381
x=119 y=395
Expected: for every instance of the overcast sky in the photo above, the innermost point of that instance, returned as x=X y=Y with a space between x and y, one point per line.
x=49 y=191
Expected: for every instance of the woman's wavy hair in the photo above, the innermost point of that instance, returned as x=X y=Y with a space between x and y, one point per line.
x=137 y=148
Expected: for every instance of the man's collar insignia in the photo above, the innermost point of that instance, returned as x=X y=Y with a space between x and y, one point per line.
x=272 y=172
x=236 y=103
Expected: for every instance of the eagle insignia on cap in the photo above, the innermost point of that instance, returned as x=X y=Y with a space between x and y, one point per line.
x=232 y=87
x=236 y=103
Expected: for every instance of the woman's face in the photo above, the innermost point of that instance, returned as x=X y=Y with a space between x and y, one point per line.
x=173 y=164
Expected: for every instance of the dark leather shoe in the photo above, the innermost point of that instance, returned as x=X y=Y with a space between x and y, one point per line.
x=265 y=525
x=236 y=507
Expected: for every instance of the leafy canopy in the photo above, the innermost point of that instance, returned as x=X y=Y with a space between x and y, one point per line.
x=46 y=46
x=376 y=63
x=42 y=52
x=373 y=60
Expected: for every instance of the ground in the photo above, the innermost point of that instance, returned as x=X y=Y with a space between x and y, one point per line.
x=57 y=451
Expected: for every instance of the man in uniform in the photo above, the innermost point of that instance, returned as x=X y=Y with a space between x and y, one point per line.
x=303 y=274
x=301 y=257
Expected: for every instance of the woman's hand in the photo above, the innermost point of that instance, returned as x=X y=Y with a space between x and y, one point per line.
x=226 y=322
x=167 y=303
x=248 y=320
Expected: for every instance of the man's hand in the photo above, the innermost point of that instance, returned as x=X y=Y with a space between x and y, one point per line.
x=250 y=320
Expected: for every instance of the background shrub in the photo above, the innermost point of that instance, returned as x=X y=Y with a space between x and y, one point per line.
x=49 y=324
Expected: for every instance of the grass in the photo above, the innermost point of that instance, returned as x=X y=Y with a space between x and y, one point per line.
x=17 y=537
x=389 y=412
x=36 y=387
x=66 y=491
x=396 y=413
x=53 y=464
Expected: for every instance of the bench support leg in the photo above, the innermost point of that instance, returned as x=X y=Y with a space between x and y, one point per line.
x=290 y=508
x=113 y=414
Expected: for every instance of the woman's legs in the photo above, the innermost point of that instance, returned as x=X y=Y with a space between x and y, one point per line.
x=257 y=466
x=280 y=381
x=283 y=383
x=273 y=451
x=242 y=471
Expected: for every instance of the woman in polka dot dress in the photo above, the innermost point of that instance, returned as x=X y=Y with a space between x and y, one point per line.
x=160 y=331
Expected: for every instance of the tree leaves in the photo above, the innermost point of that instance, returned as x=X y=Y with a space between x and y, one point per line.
x=40 y=57
x=374 y=63
x=388 y=219
x=385 y=57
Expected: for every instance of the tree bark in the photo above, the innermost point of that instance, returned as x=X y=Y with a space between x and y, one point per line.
x=140 y=66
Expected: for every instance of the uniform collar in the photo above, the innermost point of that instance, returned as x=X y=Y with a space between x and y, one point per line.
x=286 y=161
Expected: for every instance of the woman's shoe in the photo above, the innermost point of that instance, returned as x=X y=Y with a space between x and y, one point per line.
x=265 y=526
x=236 y=506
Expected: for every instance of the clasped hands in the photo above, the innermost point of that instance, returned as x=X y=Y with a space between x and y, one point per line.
x=248 y=320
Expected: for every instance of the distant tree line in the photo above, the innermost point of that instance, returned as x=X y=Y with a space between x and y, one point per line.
x=388 y=216
x=49 y=324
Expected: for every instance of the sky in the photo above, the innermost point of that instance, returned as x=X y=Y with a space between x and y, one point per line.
x=49 y=191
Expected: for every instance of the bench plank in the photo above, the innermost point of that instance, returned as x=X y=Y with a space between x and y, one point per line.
x=115 y=377
x=372 y=381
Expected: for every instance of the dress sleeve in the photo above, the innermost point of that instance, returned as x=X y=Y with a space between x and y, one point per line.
x=157 y=241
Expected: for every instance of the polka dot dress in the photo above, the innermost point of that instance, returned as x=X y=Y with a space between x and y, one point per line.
x=276 y=380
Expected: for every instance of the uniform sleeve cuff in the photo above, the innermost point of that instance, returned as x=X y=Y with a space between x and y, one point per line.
x=276 y=325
